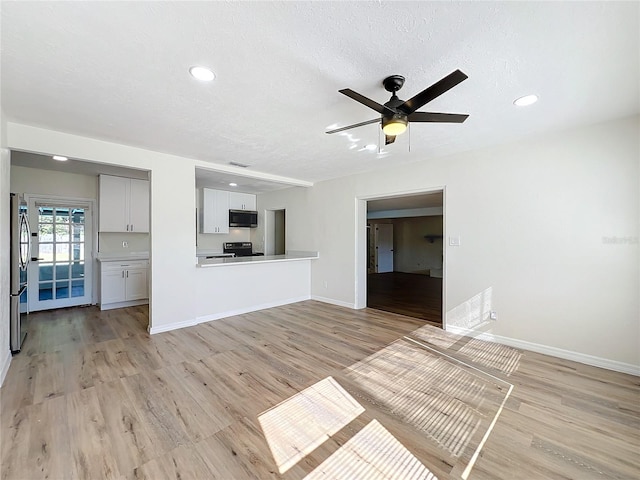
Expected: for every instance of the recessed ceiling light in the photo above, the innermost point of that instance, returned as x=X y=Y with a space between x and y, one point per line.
x=60 y=158
x=526 y=100
x=233 y=184
x=202 y=73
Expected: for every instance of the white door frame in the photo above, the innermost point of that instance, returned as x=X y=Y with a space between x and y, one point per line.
x=90 y=240
x=361 y=244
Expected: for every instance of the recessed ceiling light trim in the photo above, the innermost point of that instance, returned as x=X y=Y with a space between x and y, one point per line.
x=525 y=101
x=203 y=74
x=60 y=158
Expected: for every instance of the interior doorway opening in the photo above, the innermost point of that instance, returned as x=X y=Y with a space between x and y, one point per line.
x=405 y=255
x=275 y=232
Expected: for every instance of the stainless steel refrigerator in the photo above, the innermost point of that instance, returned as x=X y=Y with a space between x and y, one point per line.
x=20 y=256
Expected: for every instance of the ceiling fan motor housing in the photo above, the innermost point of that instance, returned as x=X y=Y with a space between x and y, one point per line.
x=393 y=83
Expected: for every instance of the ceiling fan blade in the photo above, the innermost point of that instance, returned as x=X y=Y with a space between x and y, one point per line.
x=389 y=139
x=434 y=91
x=437 y=117
x=381 y=109
x=368 y=122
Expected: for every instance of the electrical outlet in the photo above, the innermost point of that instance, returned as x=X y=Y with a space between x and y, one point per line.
x=493 y=315
x=125 y=244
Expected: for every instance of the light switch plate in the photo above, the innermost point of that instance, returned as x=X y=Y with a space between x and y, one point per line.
x=454 y=241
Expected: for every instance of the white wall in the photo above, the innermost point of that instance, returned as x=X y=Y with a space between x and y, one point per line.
x=298 y=222
x=5 y=289
x=534 y=218
x=47 y=182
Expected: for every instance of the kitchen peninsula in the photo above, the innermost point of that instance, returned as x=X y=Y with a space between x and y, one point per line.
x=231 y=286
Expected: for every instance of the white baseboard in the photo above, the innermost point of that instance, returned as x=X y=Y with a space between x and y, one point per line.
x=220 y=315
x=172 y=326
x=332 y=301
x=553 y=351
x=128 y=303
x=252 y=308
x=5 y=367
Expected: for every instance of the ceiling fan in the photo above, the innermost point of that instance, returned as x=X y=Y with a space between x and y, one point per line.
x=396 y=114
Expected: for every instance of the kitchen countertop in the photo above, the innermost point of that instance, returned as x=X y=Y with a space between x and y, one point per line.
x=289 y=256
x=119 y=257
x=212 y=253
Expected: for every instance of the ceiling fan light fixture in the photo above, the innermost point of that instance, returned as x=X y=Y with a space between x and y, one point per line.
x=394 y=125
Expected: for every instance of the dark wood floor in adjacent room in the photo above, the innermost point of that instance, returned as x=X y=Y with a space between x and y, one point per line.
x=303 y=392
x=411 y=294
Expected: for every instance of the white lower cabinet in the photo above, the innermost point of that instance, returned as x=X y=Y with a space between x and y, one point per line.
x=124 y=284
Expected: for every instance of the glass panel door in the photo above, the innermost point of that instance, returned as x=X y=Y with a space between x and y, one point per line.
x=61 y=275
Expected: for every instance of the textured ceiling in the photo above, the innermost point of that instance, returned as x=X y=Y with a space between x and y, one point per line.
x=118 y=71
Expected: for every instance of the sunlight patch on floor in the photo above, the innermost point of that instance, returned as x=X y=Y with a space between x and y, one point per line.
x=375 y=454
x=488 y=354
x=297 y=426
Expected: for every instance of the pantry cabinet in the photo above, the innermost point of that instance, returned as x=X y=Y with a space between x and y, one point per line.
x=124 y=204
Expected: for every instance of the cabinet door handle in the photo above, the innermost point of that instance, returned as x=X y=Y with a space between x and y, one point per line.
x=132 y=227
x=122 y=273
x=127 y=273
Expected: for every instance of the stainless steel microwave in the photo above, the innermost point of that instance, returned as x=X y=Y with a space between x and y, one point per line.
x=243 y=218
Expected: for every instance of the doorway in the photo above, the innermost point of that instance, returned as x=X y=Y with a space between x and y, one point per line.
x=404 y=255
x=60 y=271
x=275 y=232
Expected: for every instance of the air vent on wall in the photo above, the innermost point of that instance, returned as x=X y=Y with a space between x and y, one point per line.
x=236 y=164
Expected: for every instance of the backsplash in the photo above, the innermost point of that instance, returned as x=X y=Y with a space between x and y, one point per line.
x=111 y=242
x=213 y=242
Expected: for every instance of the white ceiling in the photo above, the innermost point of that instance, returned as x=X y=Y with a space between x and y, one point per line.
x=80 y=167
x=118 y=71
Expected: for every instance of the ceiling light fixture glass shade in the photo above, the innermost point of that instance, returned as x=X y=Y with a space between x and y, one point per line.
x=201 y=73
x=395 y=125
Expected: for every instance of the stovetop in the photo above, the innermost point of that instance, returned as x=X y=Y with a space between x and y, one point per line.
x=240 y=249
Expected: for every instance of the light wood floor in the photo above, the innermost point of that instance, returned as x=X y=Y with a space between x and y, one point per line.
x=307 y=390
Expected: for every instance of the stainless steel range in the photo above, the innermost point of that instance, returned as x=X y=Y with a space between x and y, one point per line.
x=240 y=249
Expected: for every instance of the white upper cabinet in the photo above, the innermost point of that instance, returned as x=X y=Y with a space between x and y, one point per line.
x=214 y=211
x=139 y=206
x=124 y=204
x=242 y=201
